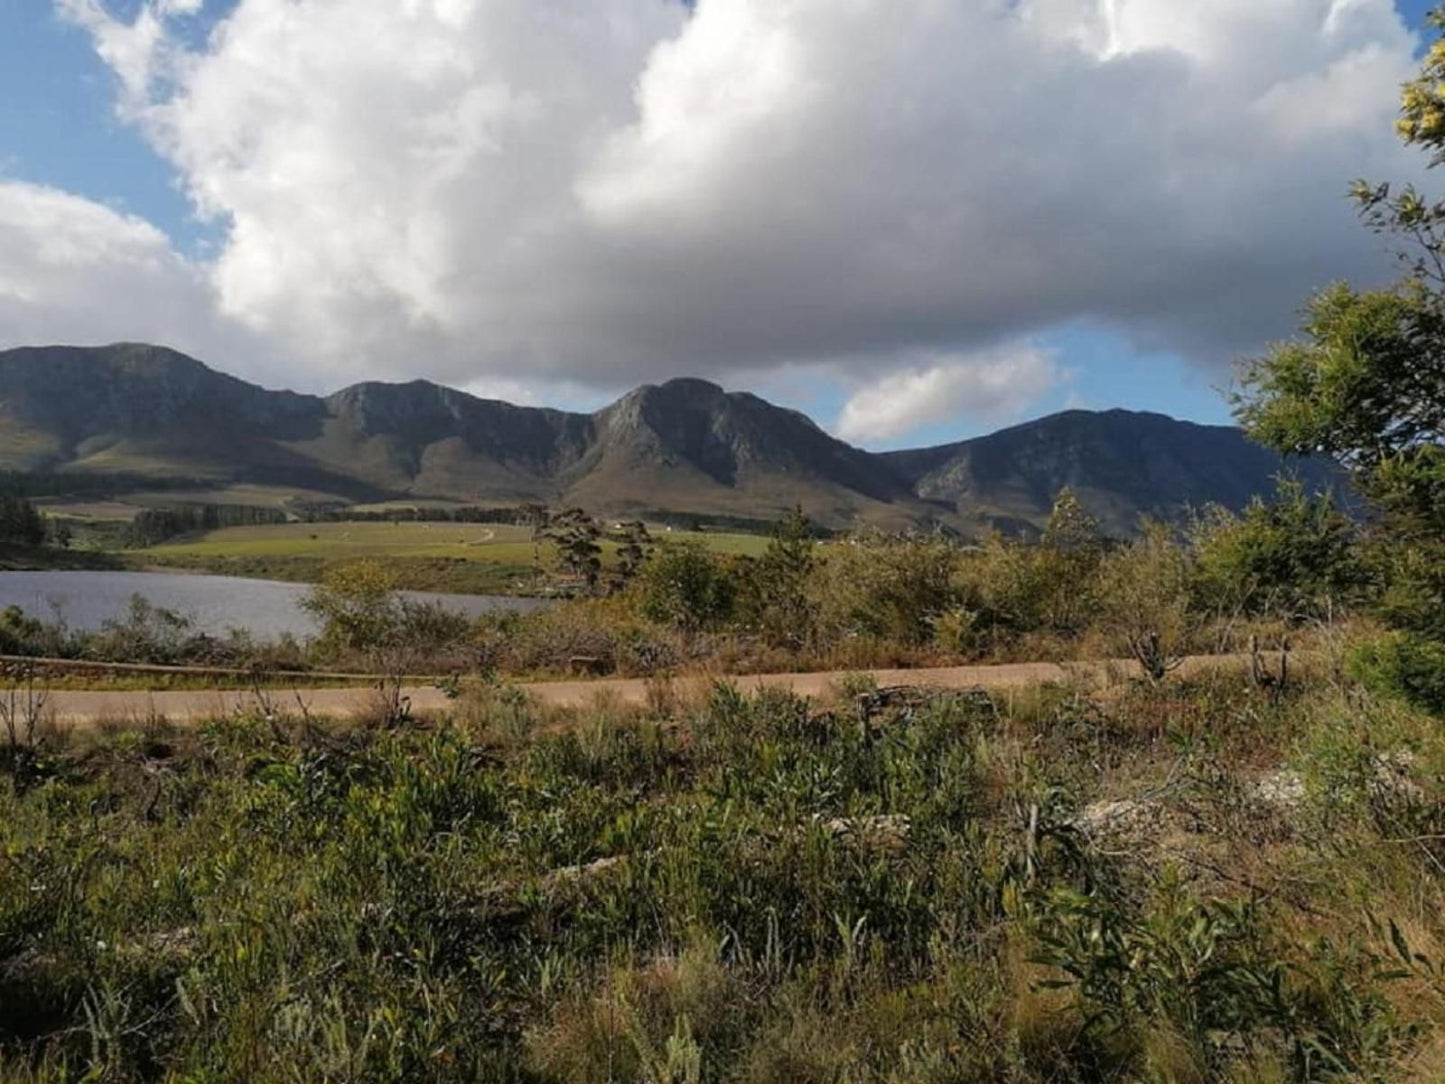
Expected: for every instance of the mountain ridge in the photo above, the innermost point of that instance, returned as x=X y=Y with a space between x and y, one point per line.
x=685 y=445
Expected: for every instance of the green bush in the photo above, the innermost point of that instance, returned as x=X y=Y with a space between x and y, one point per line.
x=1144 y=600
x=1403 y=665
x=885 y=588
x=1413 y=573
x=773 y=589
x=1012 y=586
x=20 y=634
x=1295 y=556
x=685 y=587
x=360 y=611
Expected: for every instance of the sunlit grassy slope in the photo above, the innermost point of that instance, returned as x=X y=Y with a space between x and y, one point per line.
x=498 y=543
x=339 y=541
x=464 y=557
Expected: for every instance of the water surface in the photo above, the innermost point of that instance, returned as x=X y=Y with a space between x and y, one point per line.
x=214 y=604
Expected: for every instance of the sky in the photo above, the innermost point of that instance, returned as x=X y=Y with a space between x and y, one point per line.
x=915 y=220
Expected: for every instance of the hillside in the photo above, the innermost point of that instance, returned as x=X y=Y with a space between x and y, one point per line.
x=683 y=446
x=1121 y=464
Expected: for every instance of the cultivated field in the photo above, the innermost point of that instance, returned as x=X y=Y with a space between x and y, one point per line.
x=487 y=543
x=460 y=557
x=495 y=544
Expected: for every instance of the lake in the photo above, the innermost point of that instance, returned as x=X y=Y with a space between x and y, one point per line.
x=215 y=604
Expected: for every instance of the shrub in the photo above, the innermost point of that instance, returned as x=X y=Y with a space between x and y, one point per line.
x=1145 y=600
x=774 y=588
x=776 y=892
x=1207 y=977
x=1294 y=556
x=1014 y=586
x=361 y=613
x=686 y=588
x=885 y=588
x=1414 y=577
x=20 y=634
x=147 y=633
x=1403 y=665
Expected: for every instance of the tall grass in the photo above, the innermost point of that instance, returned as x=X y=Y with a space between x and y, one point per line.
x=746 y=888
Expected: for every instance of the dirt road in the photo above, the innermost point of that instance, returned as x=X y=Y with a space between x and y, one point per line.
x=88 y=707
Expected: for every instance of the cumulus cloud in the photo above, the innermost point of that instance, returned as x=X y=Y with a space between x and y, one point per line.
x=75 y=270
x=611 y=191
x=995 y=386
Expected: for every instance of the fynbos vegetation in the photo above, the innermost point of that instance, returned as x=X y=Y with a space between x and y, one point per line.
x=1227 y=871
x=1197 y=884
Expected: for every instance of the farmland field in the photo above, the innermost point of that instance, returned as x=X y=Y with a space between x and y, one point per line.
x=467 y=557
x=473 y=541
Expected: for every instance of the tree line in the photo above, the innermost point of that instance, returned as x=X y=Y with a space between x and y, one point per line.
x=153 y=526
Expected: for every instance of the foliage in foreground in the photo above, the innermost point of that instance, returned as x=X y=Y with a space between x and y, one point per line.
x=1364 y=384
x=867 y=600
x=752 y=889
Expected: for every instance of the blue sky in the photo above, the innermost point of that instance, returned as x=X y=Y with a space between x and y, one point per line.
x=58 y=125
x=59 y=129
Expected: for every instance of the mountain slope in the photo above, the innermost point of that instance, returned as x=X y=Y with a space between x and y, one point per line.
x=132 y=408
x=1121 y=464
x=683 y=446
x=424 y=439
x=688 y=440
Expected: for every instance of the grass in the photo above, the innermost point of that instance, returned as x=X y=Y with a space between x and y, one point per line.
x=453 y=575
x=40 y=558
x=457 y=557
x=492 y=543
x=734 y=889
x=505 y=544
x=113 y=681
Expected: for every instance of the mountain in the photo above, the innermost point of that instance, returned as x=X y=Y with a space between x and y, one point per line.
x=1120 y=464
x=683 y=446
x=666 y=446
x=150 y=411
x=427 y=440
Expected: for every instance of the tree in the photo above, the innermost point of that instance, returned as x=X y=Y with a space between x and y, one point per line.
x=778 y=582
x=576 y=534
x=1012 y=586
x=356 y=605
x=1365 y=384
x=1068 y=558
x=886 y=588
x=21 y=522
x=634 y=545
x=1145 y=600
x=1365 y=387
x=685 y=587
x=1293 y=556
x=361 y=612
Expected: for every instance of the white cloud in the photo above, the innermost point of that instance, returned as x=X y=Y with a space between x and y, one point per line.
x=995 y=386
x=77 y=272
x=603 y=192
x=68 y=263
x=133 y=50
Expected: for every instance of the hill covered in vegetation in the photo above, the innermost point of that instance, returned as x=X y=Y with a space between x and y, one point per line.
x=143 y=414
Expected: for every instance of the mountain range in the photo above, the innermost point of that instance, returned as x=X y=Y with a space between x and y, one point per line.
x=682 y=446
